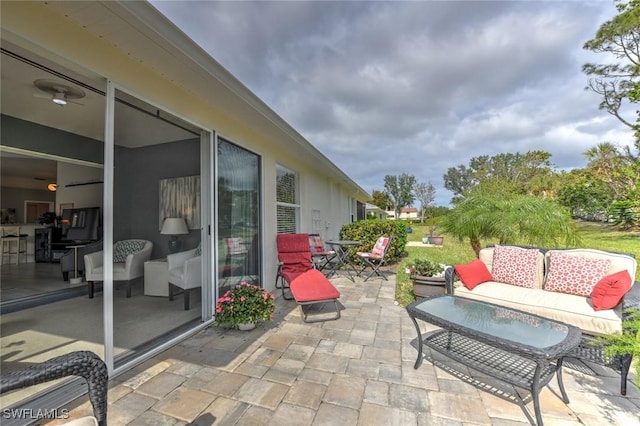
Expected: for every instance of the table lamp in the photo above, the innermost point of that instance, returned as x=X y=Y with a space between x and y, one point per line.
x=174 y=226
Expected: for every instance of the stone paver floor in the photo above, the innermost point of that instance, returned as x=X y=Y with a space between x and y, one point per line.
x=357 y=370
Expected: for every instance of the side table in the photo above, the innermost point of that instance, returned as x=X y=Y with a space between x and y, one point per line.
x=156 y=278
x=76 y=279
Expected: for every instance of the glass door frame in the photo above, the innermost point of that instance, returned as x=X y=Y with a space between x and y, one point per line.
x=207 y=173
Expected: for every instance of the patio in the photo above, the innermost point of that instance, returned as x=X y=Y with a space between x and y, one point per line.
x=357 y=370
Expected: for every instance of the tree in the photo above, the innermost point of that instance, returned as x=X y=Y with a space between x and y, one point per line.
x=425 y=193
x=381 y=199
x=586 y=197
x=519 y=219
x=400 y=190
x=505 y=174
x=615 y=168
x=618 y=82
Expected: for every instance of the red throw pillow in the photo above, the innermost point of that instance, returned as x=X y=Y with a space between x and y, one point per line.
x=473 y=273
x=608 y=292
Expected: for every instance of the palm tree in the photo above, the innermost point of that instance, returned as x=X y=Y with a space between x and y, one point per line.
x=521 y=218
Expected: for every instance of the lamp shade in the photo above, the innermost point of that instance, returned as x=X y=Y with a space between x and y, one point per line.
x=174 y=226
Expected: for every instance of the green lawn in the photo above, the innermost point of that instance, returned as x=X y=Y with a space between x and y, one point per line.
x=593 y=235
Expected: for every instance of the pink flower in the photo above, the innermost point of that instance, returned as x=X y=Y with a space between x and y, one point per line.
x=242 y=299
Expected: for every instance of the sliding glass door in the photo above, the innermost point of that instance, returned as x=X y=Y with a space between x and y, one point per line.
x=239 y=228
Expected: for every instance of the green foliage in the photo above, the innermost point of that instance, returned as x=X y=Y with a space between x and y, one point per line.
x=426 y=268
x=623 y=213
x=246 y=303
x=381 y=199
x=520 y=218
x=628 y=342
x=503 y=174
x=368 y=231
x=617 y=82
x=583 y=194
x=436 y=211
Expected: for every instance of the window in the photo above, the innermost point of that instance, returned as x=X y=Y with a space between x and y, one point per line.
x=287 y=207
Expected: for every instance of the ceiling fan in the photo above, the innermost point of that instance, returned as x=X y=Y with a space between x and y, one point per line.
x=59 y=93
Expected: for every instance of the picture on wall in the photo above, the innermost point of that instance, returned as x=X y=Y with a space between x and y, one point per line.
x=180 y=197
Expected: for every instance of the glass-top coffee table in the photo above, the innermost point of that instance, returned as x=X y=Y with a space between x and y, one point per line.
x=516 y=347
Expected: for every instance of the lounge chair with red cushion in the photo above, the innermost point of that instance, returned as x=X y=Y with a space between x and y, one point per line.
x=307 y=285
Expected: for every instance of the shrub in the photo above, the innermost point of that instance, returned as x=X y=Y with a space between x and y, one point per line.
x=368 y=231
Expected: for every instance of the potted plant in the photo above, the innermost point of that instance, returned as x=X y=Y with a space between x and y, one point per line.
x=626 y=343
x=436 y=240
x=244 y=305
x=49 y=219
x=427 y=277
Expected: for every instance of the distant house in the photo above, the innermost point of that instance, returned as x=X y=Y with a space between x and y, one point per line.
x=409 y=213
x=376 y=212
x=405 y=213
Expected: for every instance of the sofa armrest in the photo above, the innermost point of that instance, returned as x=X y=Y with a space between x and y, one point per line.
x=632 y=298
x=449 y=278
x=135 y=261
x=177 y=259
x=93 y=261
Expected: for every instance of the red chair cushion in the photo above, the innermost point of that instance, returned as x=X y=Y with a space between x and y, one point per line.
x=473 y=273
x=608 y=292
x=311 y=286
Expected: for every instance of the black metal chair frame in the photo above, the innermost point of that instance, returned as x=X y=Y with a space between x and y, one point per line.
x=85 y=364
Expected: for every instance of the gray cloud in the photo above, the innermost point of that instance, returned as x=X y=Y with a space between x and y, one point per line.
x=415 y=87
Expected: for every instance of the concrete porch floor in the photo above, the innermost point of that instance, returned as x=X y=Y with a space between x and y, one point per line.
x=357 y=370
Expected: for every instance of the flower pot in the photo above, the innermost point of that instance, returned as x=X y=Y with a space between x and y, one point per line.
x=246 y=326
x=425 y=240
x=436 y=241
x=428 y=286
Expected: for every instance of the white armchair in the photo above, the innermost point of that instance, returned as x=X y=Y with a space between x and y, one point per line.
x=184 y=273
x=128 y=263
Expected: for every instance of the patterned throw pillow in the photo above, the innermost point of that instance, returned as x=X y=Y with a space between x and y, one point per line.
x=122 y=249
x=515 y=265
x=574 y=274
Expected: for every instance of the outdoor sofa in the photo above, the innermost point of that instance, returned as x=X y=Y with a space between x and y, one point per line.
x=582 y=287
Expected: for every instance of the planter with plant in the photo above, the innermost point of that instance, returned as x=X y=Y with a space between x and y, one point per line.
x=627 y=343
x=427 y=277
x=244 y=305
x=434 y=238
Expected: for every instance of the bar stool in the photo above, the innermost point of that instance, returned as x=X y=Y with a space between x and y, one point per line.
x=12 y=243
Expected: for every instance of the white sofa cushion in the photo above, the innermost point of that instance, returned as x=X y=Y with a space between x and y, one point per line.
x=568 y=308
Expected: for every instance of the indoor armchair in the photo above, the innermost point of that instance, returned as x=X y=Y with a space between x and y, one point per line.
x=184 y=273
x=128 y=263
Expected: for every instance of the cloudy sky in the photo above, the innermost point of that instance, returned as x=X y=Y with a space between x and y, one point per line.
x=415 y=87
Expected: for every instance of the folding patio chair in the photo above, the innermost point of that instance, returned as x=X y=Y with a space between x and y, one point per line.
x=321 y=257
x=375 y=258
x=307 y=285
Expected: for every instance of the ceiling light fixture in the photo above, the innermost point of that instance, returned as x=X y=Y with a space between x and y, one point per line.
x=59 y=98
x=52 y=187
